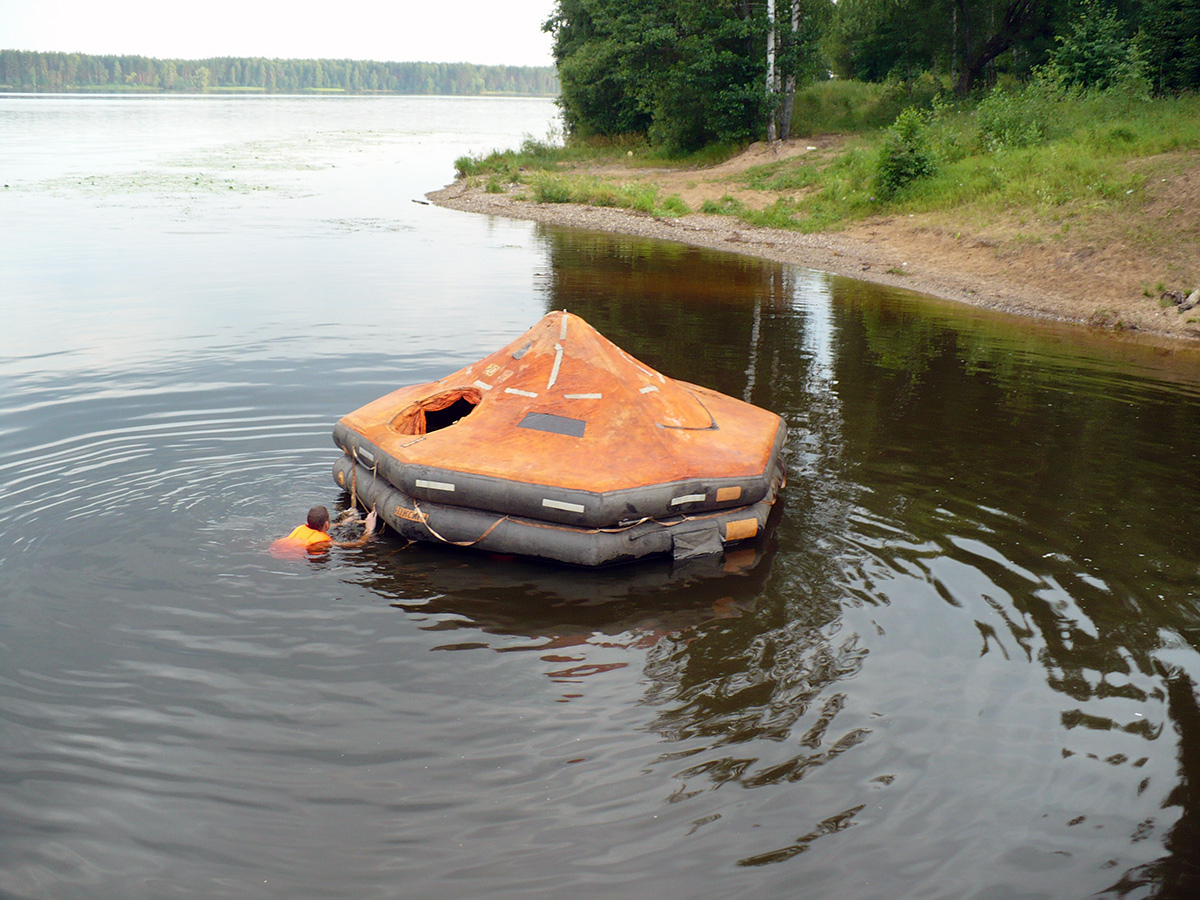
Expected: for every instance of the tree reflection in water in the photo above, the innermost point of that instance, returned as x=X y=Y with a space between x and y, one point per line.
x=984 y=598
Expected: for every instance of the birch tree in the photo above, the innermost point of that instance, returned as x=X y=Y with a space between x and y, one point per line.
x=793 y=28
x=772 y=76
x=789 y=91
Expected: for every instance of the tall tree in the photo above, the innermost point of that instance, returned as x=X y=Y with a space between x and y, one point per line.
x=800 y=24
x=772 y=75
x=1019 y=20
x=789 y=81
x=872 y=39
x=684 y=72
x=1170 y=39
x=24 y=70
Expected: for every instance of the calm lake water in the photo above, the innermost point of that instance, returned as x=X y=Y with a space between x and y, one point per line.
x=962 y=665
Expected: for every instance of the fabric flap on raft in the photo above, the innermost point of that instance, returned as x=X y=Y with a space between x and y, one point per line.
x=703 y=541
x=411 y=420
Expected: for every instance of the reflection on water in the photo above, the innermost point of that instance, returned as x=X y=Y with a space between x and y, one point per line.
x=1012 y=501
x=512 y=596
x=962 y=663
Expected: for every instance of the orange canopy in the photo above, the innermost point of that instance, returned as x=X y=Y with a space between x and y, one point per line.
x=563 y=407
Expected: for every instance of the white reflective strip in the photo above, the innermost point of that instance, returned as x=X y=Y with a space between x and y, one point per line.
x=688 y=498
x=559 y=504
x=482 y=385
x=435 y=485
x=558 y=351
x=637 y=365
x=562 y=332
x=520 y=393
x=649 y=389
x=582 y=396
x=365 y=454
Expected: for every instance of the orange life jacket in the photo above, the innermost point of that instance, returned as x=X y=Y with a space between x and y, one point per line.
x=302 y=540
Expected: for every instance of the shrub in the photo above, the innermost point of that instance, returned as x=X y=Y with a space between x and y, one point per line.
x=539 y=154
x=674 y=206
x=726 y=206
x=466 y=165
x=1007 y=120
x=848 y=105
x=551 y=190
x=1005 y=123
x=1096 y=53
x=904 y=155
x=534 y=154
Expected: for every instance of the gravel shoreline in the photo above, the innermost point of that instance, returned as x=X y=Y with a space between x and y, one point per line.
x=836 y=253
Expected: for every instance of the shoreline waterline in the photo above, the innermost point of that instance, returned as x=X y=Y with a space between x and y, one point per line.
x=831 y=252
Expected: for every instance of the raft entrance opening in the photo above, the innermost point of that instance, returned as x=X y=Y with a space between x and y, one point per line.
x=437 y=411
x=437 y=419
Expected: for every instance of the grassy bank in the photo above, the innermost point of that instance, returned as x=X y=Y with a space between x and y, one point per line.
x=1037 y=153
x=549 y=172
x=1031 y=155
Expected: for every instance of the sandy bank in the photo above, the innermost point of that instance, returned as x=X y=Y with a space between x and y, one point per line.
x=1095 y=280
x=836 y=253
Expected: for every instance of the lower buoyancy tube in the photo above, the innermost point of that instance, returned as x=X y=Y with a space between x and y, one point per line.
x=683 y=536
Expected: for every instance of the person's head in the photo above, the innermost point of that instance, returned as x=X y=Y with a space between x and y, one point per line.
x=318 y=518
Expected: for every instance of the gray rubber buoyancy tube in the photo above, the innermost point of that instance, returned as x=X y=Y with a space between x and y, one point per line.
x=585 y=509
x=499 y=532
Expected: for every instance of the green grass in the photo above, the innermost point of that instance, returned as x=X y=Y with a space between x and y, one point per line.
x=1036 y=152
x=543 y=155
x=551 y=188
x=784 y=175
x=841 y=105
x=1091 y=153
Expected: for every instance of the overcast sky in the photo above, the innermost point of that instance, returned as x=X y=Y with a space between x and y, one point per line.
x=480 y=31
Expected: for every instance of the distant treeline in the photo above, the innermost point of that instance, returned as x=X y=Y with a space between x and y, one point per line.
x=28 y=70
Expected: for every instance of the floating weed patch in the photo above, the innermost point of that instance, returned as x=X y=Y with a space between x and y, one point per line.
x=170 y=182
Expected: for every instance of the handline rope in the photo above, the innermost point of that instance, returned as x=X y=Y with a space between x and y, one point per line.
x=425 y=521
x=374 y=481
x=354 y=480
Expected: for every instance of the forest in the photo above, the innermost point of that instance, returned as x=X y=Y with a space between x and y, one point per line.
x=689 y=73
x=23 y=70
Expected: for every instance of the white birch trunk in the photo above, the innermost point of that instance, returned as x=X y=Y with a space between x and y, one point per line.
x=789 y=91
x=771 y=102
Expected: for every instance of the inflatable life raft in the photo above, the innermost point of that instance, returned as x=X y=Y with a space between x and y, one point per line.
x=564 y=447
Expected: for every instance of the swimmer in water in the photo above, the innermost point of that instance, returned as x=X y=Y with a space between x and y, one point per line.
x=313 y=536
